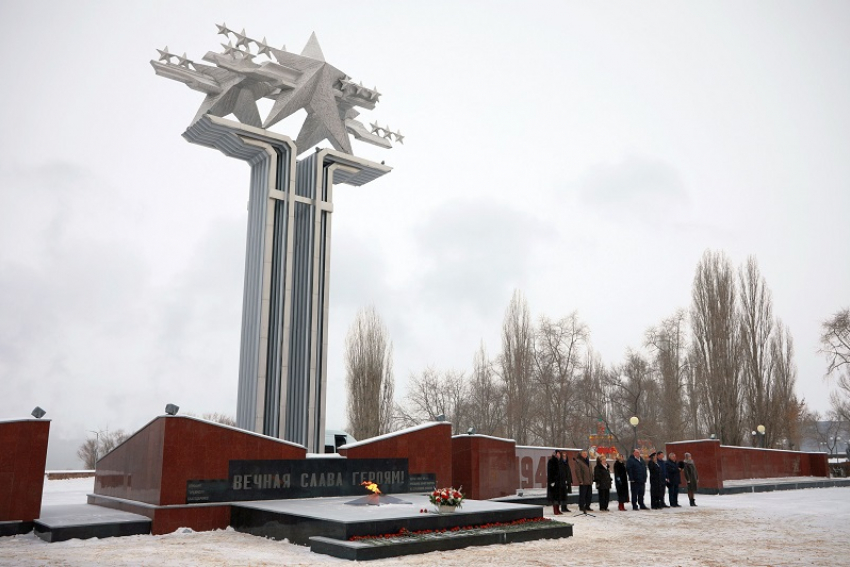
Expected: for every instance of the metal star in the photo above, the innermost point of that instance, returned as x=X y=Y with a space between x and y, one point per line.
x=228 y=48
x=399 y=138
x=387 y=132
x=263 y=47
x=242 y=39
x=184 y=61
x=222 y=29
x=164 y=55
x=375 y=127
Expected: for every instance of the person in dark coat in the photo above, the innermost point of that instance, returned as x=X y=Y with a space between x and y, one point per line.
x=690 y=471
x=584 y=479
x=602 y=478
x=621 y=482
x=636 y=468
x=662 y=469
x=655 y=482
x=674 y=479
x=566 y=478
x=552 y=481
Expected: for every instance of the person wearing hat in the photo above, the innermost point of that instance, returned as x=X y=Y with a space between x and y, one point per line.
x=654 y=482
x=662 y=469
x=584 y=479
x=636 y=468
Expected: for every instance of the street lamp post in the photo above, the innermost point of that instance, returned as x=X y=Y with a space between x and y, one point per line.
x=634 y=421
x=760 y=429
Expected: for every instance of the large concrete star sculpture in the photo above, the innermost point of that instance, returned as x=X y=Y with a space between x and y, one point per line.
x=237 y=95
x=314 y=92
x=238 y=78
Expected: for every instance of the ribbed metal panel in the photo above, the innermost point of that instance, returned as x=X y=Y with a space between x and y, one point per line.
x=289 y=389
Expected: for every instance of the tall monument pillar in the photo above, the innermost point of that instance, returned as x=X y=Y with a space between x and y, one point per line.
x=284 y=346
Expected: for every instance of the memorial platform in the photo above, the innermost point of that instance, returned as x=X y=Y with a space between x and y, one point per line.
x=328 y=525
x=84 y=521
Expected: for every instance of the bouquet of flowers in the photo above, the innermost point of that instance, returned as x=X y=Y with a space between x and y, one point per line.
x=447 y=497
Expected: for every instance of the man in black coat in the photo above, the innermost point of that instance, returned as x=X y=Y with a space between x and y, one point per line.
x=662 y=468
x=566 y=478
x=655 y=482
x=552 y=481
x=636 y=468
x=674 y=479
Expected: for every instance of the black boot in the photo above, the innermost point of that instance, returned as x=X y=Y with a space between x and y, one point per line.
x=693 y=502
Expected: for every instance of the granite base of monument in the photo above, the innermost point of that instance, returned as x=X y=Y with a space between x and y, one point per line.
x=327 y=525
x=85 y=521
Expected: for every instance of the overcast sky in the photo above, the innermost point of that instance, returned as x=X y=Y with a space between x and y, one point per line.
x=585 y=154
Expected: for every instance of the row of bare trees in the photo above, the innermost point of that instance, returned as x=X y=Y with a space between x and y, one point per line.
x=722 y=367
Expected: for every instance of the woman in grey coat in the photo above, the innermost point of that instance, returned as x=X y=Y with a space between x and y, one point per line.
x=690 y=471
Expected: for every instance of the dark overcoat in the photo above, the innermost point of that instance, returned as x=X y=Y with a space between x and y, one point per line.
x=637 y=470
x=621 y=481
x=655 y=478
x=552 y=480
x=566 y=478
x=673 y=476
x=602 y=477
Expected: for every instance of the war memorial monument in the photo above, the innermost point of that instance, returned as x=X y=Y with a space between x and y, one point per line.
x=267 y=476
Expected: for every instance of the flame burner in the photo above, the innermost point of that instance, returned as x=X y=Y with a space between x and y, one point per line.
x=376 y=498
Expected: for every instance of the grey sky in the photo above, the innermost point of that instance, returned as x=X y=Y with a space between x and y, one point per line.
x=586 y=154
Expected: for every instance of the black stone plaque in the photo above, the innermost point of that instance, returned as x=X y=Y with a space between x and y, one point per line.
x=310 y=478
x=206 y=491
x=425 y=482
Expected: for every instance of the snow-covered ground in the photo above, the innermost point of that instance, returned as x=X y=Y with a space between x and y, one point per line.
x=796 y=527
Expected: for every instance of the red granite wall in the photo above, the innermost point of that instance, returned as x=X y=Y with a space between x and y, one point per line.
x=484 y=466
x=745 y=462
x=428 y=449
x=717 y=463
x=154 y=465
x=706 y=456
x=23 y=453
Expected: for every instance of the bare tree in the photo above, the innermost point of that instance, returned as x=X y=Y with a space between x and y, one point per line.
x=757 y=325
x=669 y=342
x=221 y=418
x=716 y=335
x=785 y=412
x=432 y=396
x=835 y=344
x=558 y=355
x=517 y=364
x=97 y=447
x=486 y=397
x=369 y=375
x=217 y=417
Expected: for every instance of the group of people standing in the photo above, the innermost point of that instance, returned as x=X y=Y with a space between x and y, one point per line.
x=629 y=477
